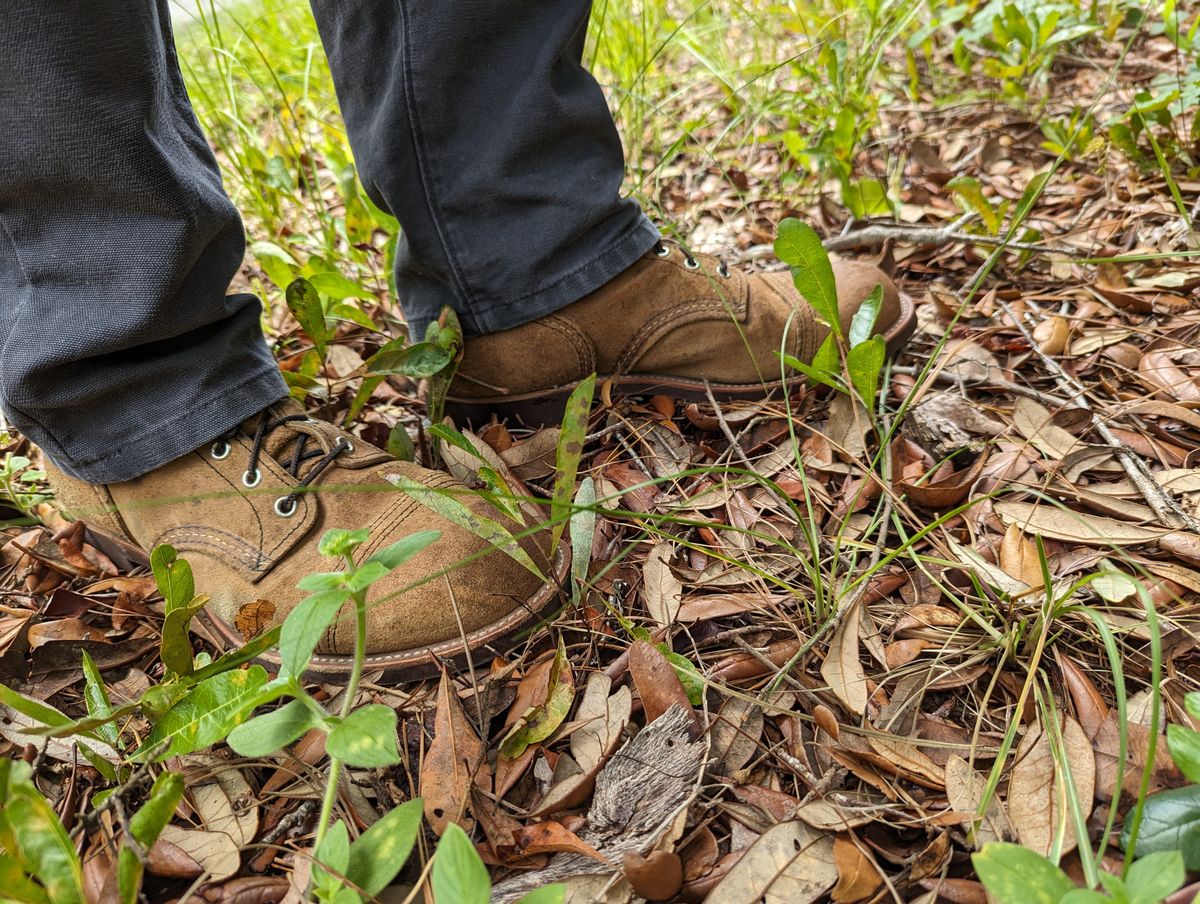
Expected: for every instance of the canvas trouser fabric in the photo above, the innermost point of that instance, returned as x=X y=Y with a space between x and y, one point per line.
x=121 y=348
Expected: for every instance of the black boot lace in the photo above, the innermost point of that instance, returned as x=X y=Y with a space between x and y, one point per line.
x=286 y=505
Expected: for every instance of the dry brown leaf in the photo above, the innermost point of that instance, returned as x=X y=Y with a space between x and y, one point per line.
x=657 y=683
x=735 y=734
x=858 y=878
x=1019 y=557
x=1090 y=708
x=1051 y=335
x=903 y=758
x=1037 y=799
x=454 y=760
x=964 y=790
x=655 y=877
x=214 y=852
x=1035 y=422
x=1090 y=530
x=63 y=629
x=842 y=668
x=225 y=801
x=663 y=591
x=551 y=837
x=790 y=863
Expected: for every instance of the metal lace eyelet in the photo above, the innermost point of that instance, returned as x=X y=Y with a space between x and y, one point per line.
x=723 y=271
x=346 y=444
x=286 y=506
x=661 y=250
x=251 y=479
x=220 y=450
x=691 y=263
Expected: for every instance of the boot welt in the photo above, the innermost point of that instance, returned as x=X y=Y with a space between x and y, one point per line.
x=401 y=666
x=546 y=406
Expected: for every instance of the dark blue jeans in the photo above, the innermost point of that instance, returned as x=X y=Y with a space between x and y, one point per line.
x=473 y=121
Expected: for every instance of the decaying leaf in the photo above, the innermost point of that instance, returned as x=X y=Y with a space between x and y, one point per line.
x=453 y=762
x=790 y=864
x=842 y=667
x=1037 y=793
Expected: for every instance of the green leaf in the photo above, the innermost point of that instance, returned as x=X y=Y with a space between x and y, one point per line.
x=971 y=193
x=271 y=732
x=34 y=709
x=446 y=505
x=689 y=675
x=175 y=649
x=337 y=542
x=798 y=246
x=568 y=454
x=365 y=575
x=862 y=325
x=305 y=304
x=1085 y=896
x=1016 y=875
x=866 y=198
x=1191 y=702
x=365 y=390
x=419 y=360
x=208 y=713
x=542 y=721
x=459 y=876
x=1184 y=744
x=333 y=853
x=1154 y=877
x=145 y=826
x=583 y=530
x=402 y=550
x=304 y=627
x=1170 y=822
x=95 y=695
x=237 y=658
x=30 y=832
x=400 y=445
x=277 y=263
x=547 y=894
x=383 y=849
x=333 y=285
x=367 y=738
x=323 y=580
x=173 y=576
x=864 y=362
x=822 y=376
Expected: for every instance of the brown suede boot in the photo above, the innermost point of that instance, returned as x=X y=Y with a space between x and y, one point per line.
x=248 y=510
x=667 y=325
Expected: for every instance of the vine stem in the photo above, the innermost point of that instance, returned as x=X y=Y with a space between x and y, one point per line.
x=360 y=655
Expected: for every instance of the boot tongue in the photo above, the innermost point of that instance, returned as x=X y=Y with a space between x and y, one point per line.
x=280 y=442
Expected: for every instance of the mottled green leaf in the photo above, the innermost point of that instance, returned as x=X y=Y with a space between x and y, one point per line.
x=1016 y=875
x=1154 y=877
x=367 y=737
x=1184 y=744
x=271 y=732
x=304 y=302
x=173 y=576
x=542 y=721
x=459 y=876
x=568 y=454
x=208 y=713
x=1170 y=822
x=383 y=849
x=31 y=833
x=175 y=648
x=862 y=325
x=95 y=695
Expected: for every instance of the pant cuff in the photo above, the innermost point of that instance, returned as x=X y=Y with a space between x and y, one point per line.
x=158 y=444
x=610 y=262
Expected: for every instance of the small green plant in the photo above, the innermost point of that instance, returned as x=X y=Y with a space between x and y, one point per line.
x=1016 y=875
x=460 y=877
x=857 y=354
x=20 y=482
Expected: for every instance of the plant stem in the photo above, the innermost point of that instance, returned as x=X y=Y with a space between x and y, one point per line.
x=335 y=768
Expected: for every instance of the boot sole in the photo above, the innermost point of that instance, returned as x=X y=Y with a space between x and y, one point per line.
x=542 y=407
x=402 y=666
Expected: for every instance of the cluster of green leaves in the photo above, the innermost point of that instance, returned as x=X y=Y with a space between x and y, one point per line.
x=20 y=482
x=858 y=354
x=38 y=862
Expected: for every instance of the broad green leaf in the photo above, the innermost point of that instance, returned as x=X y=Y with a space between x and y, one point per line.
x=1170 y=822
x=1154 y=877
x=459 y=876
x=454 y=511
x=405 y=548
x=383 y=849
x=365 y=390
x=1085 y=896
x=547 y=894
x=95 y=695
x=305 y=304
x=333 y=853
x=16 y=883
x=271 y=732
x=419 y=360
x=304 y=627
x=31 y=833
x=799 y=246
x=1184 y=744
x=583 y=530
x=236 y=658
x=866 y=198
x=400 y=445
x=145 y=826
x=689 y=675
x=862 y=325
x=568 y=454
x=173 y=576
x=208 y=713
x=542 y=721
x=864 y=362
x=277 y=263
x=456 y=439
x=365 y=575
x=34 y=709
x=367 y=738
x=338 y=542
x=323 y=580
x=175 y=649
x=333 y=285
x=971 y=192
x=824 y=377
x=1016 y=875
x=1191 y=702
